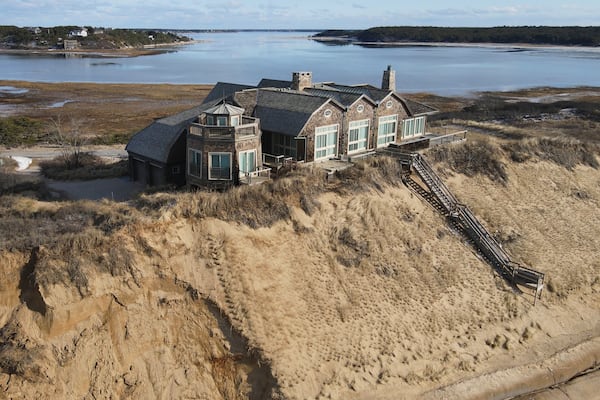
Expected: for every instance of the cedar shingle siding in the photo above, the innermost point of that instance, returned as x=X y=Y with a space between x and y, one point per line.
x=286 y=123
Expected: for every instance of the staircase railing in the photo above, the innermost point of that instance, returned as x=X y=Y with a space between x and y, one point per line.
x=441 y=197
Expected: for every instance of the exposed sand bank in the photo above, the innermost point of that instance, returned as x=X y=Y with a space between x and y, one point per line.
x=367 y=296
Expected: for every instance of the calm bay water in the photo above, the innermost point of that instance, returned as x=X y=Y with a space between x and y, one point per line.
x=246 y=57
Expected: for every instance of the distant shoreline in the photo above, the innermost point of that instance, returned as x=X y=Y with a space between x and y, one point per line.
x=149 y=50
x=331 y=39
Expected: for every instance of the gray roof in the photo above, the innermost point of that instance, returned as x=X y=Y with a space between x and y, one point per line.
x=286 y=111
x=223 y=90
x=274 y=83
x=371 y=91
x=347 y=99
x=374 y=93
x=155 y=141
x=417 y=108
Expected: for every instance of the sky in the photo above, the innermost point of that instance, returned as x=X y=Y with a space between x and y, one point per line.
x=296 y=14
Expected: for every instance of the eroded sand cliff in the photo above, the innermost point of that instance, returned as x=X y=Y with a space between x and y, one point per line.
x=356 y=295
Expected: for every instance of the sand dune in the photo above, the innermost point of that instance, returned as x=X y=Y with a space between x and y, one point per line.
x=370 y=296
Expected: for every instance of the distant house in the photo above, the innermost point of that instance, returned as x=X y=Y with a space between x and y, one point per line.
x=70 y=44
x=81 y=32
x=238 y=128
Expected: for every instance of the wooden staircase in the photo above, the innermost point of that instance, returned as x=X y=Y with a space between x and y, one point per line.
x=463 y=220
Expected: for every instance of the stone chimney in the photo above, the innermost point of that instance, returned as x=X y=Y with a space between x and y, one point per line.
x=301 y=80
x=389 y=79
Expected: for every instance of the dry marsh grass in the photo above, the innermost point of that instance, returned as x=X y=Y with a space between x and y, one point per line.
x=488 y=158
x=565 y=152
x=491 y=128
x=113 y=112
x=541 y=112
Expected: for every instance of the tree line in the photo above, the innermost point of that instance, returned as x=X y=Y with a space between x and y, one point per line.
x=543 y=35
x=97 y=38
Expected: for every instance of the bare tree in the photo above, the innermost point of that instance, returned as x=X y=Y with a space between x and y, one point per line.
x=69 y=135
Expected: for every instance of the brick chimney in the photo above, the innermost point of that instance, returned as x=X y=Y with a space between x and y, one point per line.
x=389 y=79
x=301 y=80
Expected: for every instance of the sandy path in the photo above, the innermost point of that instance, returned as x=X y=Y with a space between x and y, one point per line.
x=46 y=152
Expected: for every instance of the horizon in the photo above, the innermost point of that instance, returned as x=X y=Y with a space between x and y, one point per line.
x=208 y=30
x=290 y=15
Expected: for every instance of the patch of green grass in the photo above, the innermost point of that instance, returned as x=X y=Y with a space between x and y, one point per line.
x=112 y=138
x=20 y=131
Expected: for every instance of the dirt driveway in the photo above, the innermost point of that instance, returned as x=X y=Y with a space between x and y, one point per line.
x=117 y=189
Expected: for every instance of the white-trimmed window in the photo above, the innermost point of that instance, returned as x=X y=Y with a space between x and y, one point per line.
x=219 y=166
x=195 y=163
x=413 y=127
x=221 y=121
x=326 y=138
x=247 y=161
x=210 y=120
x=235 y=120
x=357 y=135
x=386 y=133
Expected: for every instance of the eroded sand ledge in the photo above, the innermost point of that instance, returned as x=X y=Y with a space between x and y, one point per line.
x=525 y=379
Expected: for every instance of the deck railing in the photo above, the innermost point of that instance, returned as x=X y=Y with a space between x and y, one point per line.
x=277 y=162
x=260 y=173
x=224 y=132
x=448 y=138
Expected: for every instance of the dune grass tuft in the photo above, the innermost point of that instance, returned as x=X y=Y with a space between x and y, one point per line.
x=264 y=205
x=472 y=158
x=86 y=166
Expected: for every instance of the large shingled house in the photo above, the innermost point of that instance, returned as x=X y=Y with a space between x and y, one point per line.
x=157 y=153
x=229 y=135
